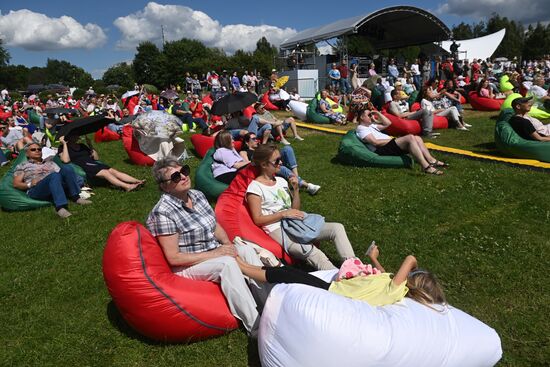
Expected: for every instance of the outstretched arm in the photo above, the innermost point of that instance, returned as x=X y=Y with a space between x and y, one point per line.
x=407 y=266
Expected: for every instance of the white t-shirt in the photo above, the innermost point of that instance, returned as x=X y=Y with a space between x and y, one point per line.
x=274 y=199
x=538 y=92
x=363 y=131
x=427 y=105
x=415 y=69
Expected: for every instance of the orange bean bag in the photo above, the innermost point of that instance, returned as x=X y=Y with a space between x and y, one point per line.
x=400 y=127
x=232 y=214
x=5 y=115
x=203 y=143
x=268 y=105
x=105 y=134
x=131 y=146
x=484 y=104
x=440 y=122
x=248 y=112
x=154 y=301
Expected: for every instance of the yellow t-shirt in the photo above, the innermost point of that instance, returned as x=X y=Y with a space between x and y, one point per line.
x=376 y=290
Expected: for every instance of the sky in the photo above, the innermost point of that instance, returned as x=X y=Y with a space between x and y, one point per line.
x=96 y=35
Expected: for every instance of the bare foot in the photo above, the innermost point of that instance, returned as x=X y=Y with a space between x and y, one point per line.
x=132 y=187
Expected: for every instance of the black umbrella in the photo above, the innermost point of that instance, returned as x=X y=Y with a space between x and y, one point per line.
x=85 y=125
x=58 y=110
x=169 y=94
x=233 y=103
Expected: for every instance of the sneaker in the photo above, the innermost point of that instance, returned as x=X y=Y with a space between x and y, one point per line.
x=312 y=188
x=192 y=131
x=285 y=142
x=462 y=128
x=466 y=125
x=299 y=138
x=81 y=201
x=63 y=213
x=434 y=134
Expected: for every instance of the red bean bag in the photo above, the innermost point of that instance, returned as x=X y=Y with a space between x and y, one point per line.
x=462 y=99
x=208 y=100
x=484 y=104
x=106 y=134
x=233 y=215
x=131 y=146
x=5 y=115
x=203 y=143
x=268 y=105
x=248 y=112
x=154 y=301
x=400 y=127
x=440 y=122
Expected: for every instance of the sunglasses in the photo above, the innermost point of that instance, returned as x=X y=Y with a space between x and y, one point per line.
x=277 y=162
x=35 y=149
x=176 y=177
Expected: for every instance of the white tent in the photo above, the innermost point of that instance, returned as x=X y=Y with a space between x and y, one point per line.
x=478 y=48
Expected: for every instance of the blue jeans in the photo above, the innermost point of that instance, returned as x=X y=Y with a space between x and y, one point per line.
x=417 y=80
x=189 y=120
x=114 y=127
x=53 y=186
x=345 y=86
x=235 y=133
x=255 y=128
x=289 y=160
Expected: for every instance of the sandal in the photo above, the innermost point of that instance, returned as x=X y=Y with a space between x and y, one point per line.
x=439 y=164
x=371 y=247
x=431 y=170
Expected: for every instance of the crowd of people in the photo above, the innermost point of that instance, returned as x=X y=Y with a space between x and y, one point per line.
x=194 y=244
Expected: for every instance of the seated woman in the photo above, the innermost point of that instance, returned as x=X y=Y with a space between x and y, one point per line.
x=45 y=180
x=289 y=167
x=11 y=137
x=377 y=288
x=450 y=91
x=369 y=131
x=270 y=201
x=484 y=89
x=360 y=98
x=326 y=110
x=86 y=157
x=451 y=112
x=227 y=160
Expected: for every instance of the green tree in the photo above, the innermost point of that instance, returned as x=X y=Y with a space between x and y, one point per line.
x=121 y=74
x=512 y=44
x=462 y=31
x=147 y=65
x=63 y=72
x=537 y=42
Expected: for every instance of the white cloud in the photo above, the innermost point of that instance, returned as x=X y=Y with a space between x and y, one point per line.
x=38 y=32
x=524 y=11
x=184 y=22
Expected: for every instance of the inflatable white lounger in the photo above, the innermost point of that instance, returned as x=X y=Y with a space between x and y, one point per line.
x=303 y=326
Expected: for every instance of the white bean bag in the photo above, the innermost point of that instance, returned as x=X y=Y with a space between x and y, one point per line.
x=298 y=109
x=304 y=326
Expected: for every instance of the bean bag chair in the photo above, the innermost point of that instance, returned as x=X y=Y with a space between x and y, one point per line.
x=307 y=326
x=400 y=126
x=106 y=134
x=203 y=144
x=440 y=122
x=504 y=84
x=233 y=215
x=353 y=152
x=484 y=104
x=268 y=105
x=299 y=109
x=412 y=98
x=12 y=199
x=131 y=146
x=511 y=144
x=313 y=116
x=34 y=118
x=377 y=98
x=204 y=179
x=154 y=301
x=535 y=112
x=248 y=112
x=5 y=115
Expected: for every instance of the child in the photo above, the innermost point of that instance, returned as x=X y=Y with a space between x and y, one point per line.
x=376 y=289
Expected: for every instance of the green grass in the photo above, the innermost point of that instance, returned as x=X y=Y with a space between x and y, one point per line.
x=483 y=228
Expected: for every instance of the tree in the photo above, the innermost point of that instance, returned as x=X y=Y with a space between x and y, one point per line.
x=4 y=55
x=462 y=31
x=120 y=74
x=512 y=44
x=63 y=72
x=537 y=42
x=147 y=64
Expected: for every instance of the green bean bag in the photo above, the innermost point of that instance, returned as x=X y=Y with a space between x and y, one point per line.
x=505 y=84
x=413 y=97
x=535 y=112
x=204 y=179
x=352 y=151
x=12 y=199
x=313 y=116
x=34 y=118
x=377 y=99
x=510 y=143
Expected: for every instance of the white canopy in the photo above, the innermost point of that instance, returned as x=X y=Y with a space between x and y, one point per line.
x=478 y=48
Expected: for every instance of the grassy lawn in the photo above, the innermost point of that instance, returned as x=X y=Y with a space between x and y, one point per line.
x=483 y=228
